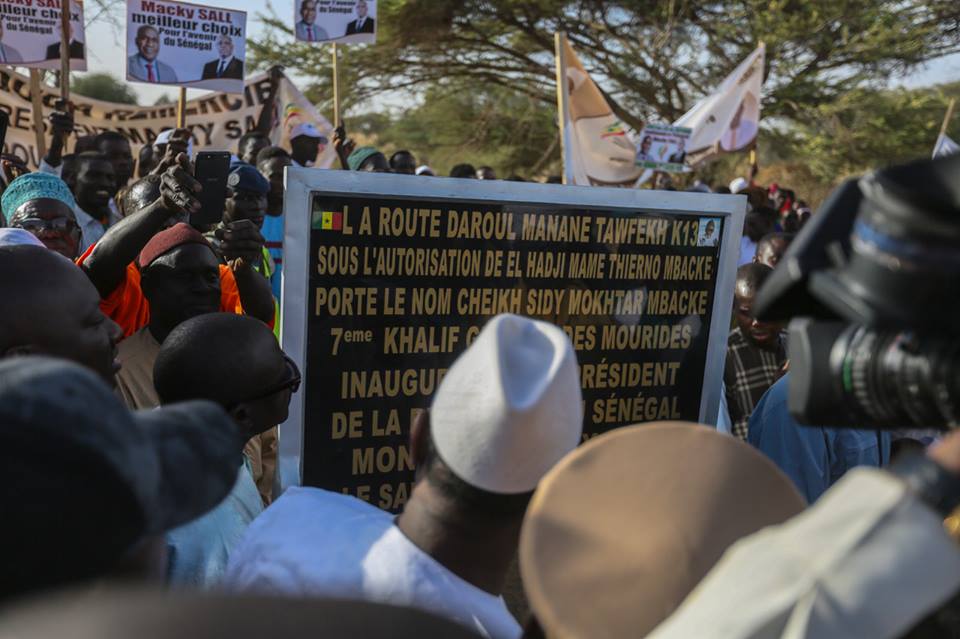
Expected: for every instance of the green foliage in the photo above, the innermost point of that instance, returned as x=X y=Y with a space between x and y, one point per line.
x=480 y=74
x=102 y=86
x=862 y=130
x=508 y=131
x=653 y=58
x=867 y=128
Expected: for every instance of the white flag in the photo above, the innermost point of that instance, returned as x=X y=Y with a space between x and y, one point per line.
x=599 y=151
x=728 y=119
x=945 y=146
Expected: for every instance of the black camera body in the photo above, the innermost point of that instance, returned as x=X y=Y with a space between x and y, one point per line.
x=872 y=285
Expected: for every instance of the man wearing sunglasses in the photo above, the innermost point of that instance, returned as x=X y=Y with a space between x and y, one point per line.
x=234 y=361
x=43 y=205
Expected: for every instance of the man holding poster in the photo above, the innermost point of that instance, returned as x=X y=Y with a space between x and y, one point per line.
x=144 y=65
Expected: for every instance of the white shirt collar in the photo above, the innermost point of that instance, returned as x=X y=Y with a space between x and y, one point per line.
x=84 y=219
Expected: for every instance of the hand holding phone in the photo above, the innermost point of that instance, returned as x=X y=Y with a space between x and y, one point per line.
x=211 y=169
x=179 y=190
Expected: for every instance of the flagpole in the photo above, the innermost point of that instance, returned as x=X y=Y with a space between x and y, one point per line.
x=947 y=118
x=65 y=51
x=336 y=85
x=182 y=109
x=563 y=105
x=36 y=98
x=754 y=166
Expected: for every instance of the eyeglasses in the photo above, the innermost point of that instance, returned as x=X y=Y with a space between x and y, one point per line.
x=35 y=225
x=291 y=383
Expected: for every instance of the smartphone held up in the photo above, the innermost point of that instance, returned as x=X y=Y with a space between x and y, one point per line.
x=211 y=169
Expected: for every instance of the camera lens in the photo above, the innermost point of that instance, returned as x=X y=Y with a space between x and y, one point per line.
x=897 y=380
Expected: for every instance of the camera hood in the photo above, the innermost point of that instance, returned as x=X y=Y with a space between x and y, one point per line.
x=823 y=242
x=883 y=251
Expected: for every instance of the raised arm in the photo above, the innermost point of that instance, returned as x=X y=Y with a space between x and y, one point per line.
x=61 y=125
x=265 y=120
x=108 y=262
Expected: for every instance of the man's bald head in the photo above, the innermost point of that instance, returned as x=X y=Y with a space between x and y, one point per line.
x=229 y=359
x=750 y=277
x=218 y=356
x=771 y=247
x=141 y=194
x=55 y=310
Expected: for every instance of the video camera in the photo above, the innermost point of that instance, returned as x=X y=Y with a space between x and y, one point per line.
x=872 y=284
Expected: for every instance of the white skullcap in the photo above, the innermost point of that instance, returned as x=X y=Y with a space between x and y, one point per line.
x=510 y=407
x=306 y=129
x=15 y=237
x=423 y=169
x=164 y=138
x=739 y=184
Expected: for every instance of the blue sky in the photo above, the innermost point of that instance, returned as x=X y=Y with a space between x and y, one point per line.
x=104 y=44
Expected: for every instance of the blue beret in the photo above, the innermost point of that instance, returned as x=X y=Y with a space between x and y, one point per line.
x=244 y=177
x=35 y=186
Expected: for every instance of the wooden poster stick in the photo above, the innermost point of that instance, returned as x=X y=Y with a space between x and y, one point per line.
x=563 y=107
x=947 y=117
x=65 y=51
x=182 y=109
x=336 y=85
x=36 y=99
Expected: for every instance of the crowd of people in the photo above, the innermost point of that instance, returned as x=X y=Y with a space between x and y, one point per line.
x=141 y=382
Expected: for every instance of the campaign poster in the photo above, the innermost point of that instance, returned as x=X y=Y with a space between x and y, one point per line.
x=30 y=34
x=387 y=279
x=187 y=45
x=664 y=148
x=349 y=21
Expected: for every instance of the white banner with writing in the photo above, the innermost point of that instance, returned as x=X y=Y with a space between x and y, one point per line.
x=216 y=120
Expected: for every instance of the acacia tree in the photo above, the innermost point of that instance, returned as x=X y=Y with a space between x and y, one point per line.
x=103 y=86
x=495 y=127
x=653 y=58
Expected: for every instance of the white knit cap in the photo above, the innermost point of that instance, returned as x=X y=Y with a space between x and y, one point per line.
x=510 y=407
x=14 y=237
x=738 y=185
x=164 y=138
x=307 y=129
